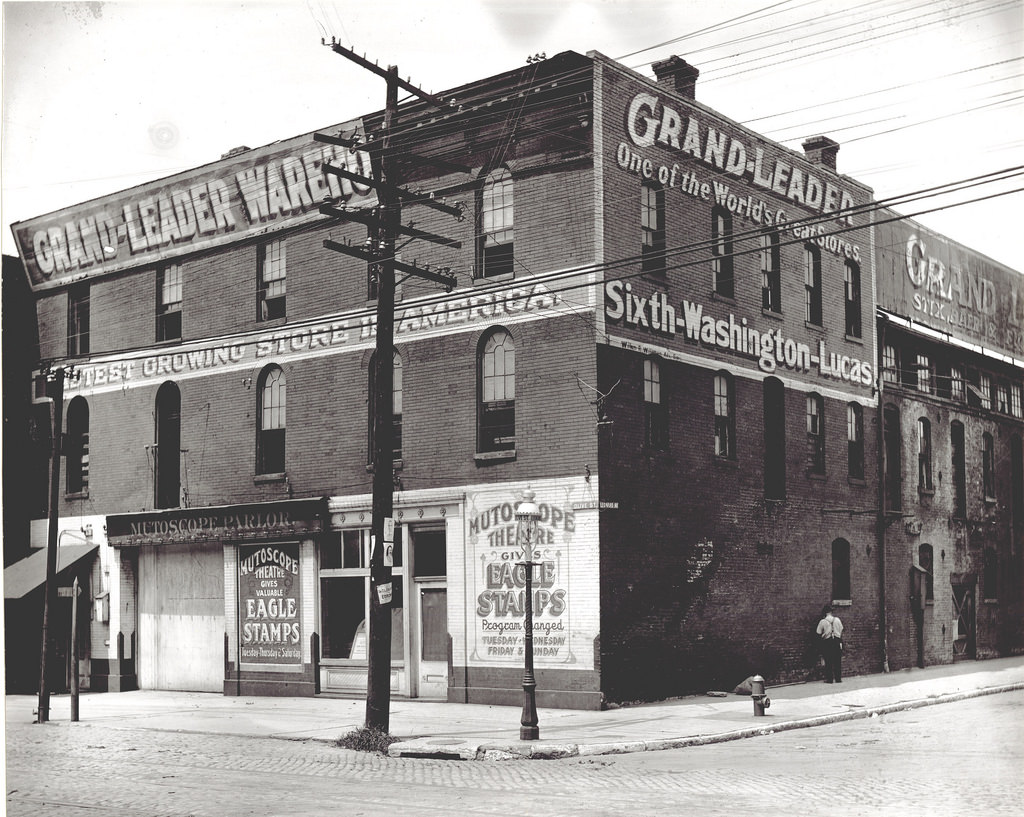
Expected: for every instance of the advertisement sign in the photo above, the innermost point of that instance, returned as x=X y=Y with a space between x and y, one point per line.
x=269 y=604
x=929 y=279
x=242 y=195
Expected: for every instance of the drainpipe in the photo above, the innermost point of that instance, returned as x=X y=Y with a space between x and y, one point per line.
x=880 y=438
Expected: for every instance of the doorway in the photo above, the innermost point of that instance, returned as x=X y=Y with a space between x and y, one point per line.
x=964 y=625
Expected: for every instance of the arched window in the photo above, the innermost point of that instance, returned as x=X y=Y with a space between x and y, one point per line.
x=721 y=262
x=167 y=453
x=959 y=449
x=852 y=286
x=396 y=405
x=926 y=559
x=841 y=570
x=496 y=419
x=988 y=465
x=812 y=284
x=774 y=439
x=892 y=459
x=652 y=227
x=815 y=434
x=725 y=416
x=855 y=440
x=924 y=454
x=77 y=447
x=655 y=408
x=496 y=233
x=270 y=422
x=771 y=272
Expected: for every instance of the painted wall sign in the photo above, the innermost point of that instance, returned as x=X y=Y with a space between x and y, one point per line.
x=269 y=188
x=269 y=604
x=357 y=330
x=650 y=122
x=693 y=322
x=931 y=280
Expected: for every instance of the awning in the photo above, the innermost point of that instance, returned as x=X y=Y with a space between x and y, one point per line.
x=23 y=577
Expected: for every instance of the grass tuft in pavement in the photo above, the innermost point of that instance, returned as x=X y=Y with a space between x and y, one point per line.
x=367 y=739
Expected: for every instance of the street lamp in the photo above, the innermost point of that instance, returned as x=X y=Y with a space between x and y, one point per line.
x=527 y=517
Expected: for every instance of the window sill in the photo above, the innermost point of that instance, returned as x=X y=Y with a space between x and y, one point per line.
x=842 y=602
x=926 y=491
x=855 y=339
x=481 y=282
x=728 y=299
x=814 y=475
x=488 y=457
x=771 y=313
x=858 y=481
x=814 y=327
x=990 y=601
x=726 y=462
x=272 y=321
x=77 y=495
x=396 y=465
x=167 y=342
x=990 y=500
x=262 y=479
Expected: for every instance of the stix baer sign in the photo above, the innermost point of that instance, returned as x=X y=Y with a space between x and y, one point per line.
x=253 y=192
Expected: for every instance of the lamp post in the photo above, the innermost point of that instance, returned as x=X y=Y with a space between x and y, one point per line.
x=527 y=517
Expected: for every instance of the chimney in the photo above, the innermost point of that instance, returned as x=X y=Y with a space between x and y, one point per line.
x=235 y=151
x=820 y=150
x=677 y=75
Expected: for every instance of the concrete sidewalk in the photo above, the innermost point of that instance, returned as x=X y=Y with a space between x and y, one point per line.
x=478 y=732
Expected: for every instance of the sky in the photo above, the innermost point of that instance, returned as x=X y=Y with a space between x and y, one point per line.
x=99 y=97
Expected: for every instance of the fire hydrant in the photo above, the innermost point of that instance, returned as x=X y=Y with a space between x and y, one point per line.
x=761 y=700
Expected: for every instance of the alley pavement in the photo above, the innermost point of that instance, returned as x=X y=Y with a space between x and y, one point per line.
x=481 y=732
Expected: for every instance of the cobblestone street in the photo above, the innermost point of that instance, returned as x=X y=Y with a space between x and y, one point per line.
x=961 y=758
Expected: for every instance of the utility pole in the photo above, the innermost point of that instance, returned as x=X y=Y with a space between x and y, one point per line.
x=387 y=224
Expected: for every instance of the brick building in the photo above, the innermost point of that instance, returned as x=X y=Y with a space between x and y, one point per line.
x=663 y=325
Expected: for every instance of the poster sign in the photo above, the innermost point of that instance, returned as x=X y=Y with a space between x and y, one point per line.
x=269 y=604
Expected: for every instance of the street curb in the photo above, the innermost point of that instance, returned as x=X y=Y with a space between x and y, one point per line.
x=442 y=750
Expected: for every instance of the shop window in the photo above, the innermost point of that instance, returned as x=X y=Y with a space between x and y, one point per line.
x=957 y=384
x=655 y=409
x=924 y=374
x=924 y=454
x=1015 y=400
x=271 y=422
x=396 y=406
x=774 y=442
x=771 y=272
x=722 y=260
x=812 y=284
x=76 y=458
x=725 y=416
x=841 y=570
x=78 y=320
x=891 y=364
x=853 y=304
x=892 y=459
x=168 y=303
x=990 y=575
x=496 y=233
x=271 y=280
x=496 y=418
x=959 y=451
x=926 y=561
x=815 y=434
x=167 y=451
x=855 y=440
x=652 y=227
x=988 y=465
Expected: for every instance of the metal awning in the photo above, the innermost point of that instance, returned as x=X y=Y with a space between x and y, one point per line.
x=23 y=577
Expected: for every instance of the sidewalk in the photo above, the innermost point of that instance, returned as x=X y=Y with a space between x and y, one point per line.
x=478 y=732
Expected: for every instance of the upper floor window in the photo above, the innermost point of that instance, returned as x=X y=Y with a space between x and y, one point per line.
x=985 y=390
x=167 y=452
x=652 y=227
x=655 y=409
x=76 y=451
x=957 y=384
x=988 y=465
x=78 y=320
x=959 y=452
x=771 y=272
x=1002 y=398
x=855 y=440
x=853 y=306
x=841 y=570
x=496 y=234
x=815 y=434
x=774 y=442
x=926 y=560
x=924 y=374
x=722 y=261
x=812 y=284
x=168 y=303
x=1015 y=400
x=271 y=291
x=924 y=454
x=725 y=416
x=890 y=364
x=271 y=421
x=496 y=421
x=396 y=405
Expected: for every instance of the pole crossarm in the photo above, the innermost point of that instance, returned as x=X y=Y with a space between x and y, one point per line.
x=370 y=220
x=445 y=279
x=340 y=141
x=348 y=53
x=409 y=195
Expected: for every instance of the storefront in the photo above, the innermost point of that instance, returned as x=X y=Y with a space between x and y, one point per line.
x=225 y=596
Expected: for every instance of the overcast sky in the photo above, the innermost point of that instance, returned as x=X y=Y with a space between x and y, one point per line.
x=98 y=97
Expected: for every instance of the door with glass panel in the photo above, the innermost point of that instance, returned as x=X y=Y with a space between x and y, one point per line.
x=429 y=630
